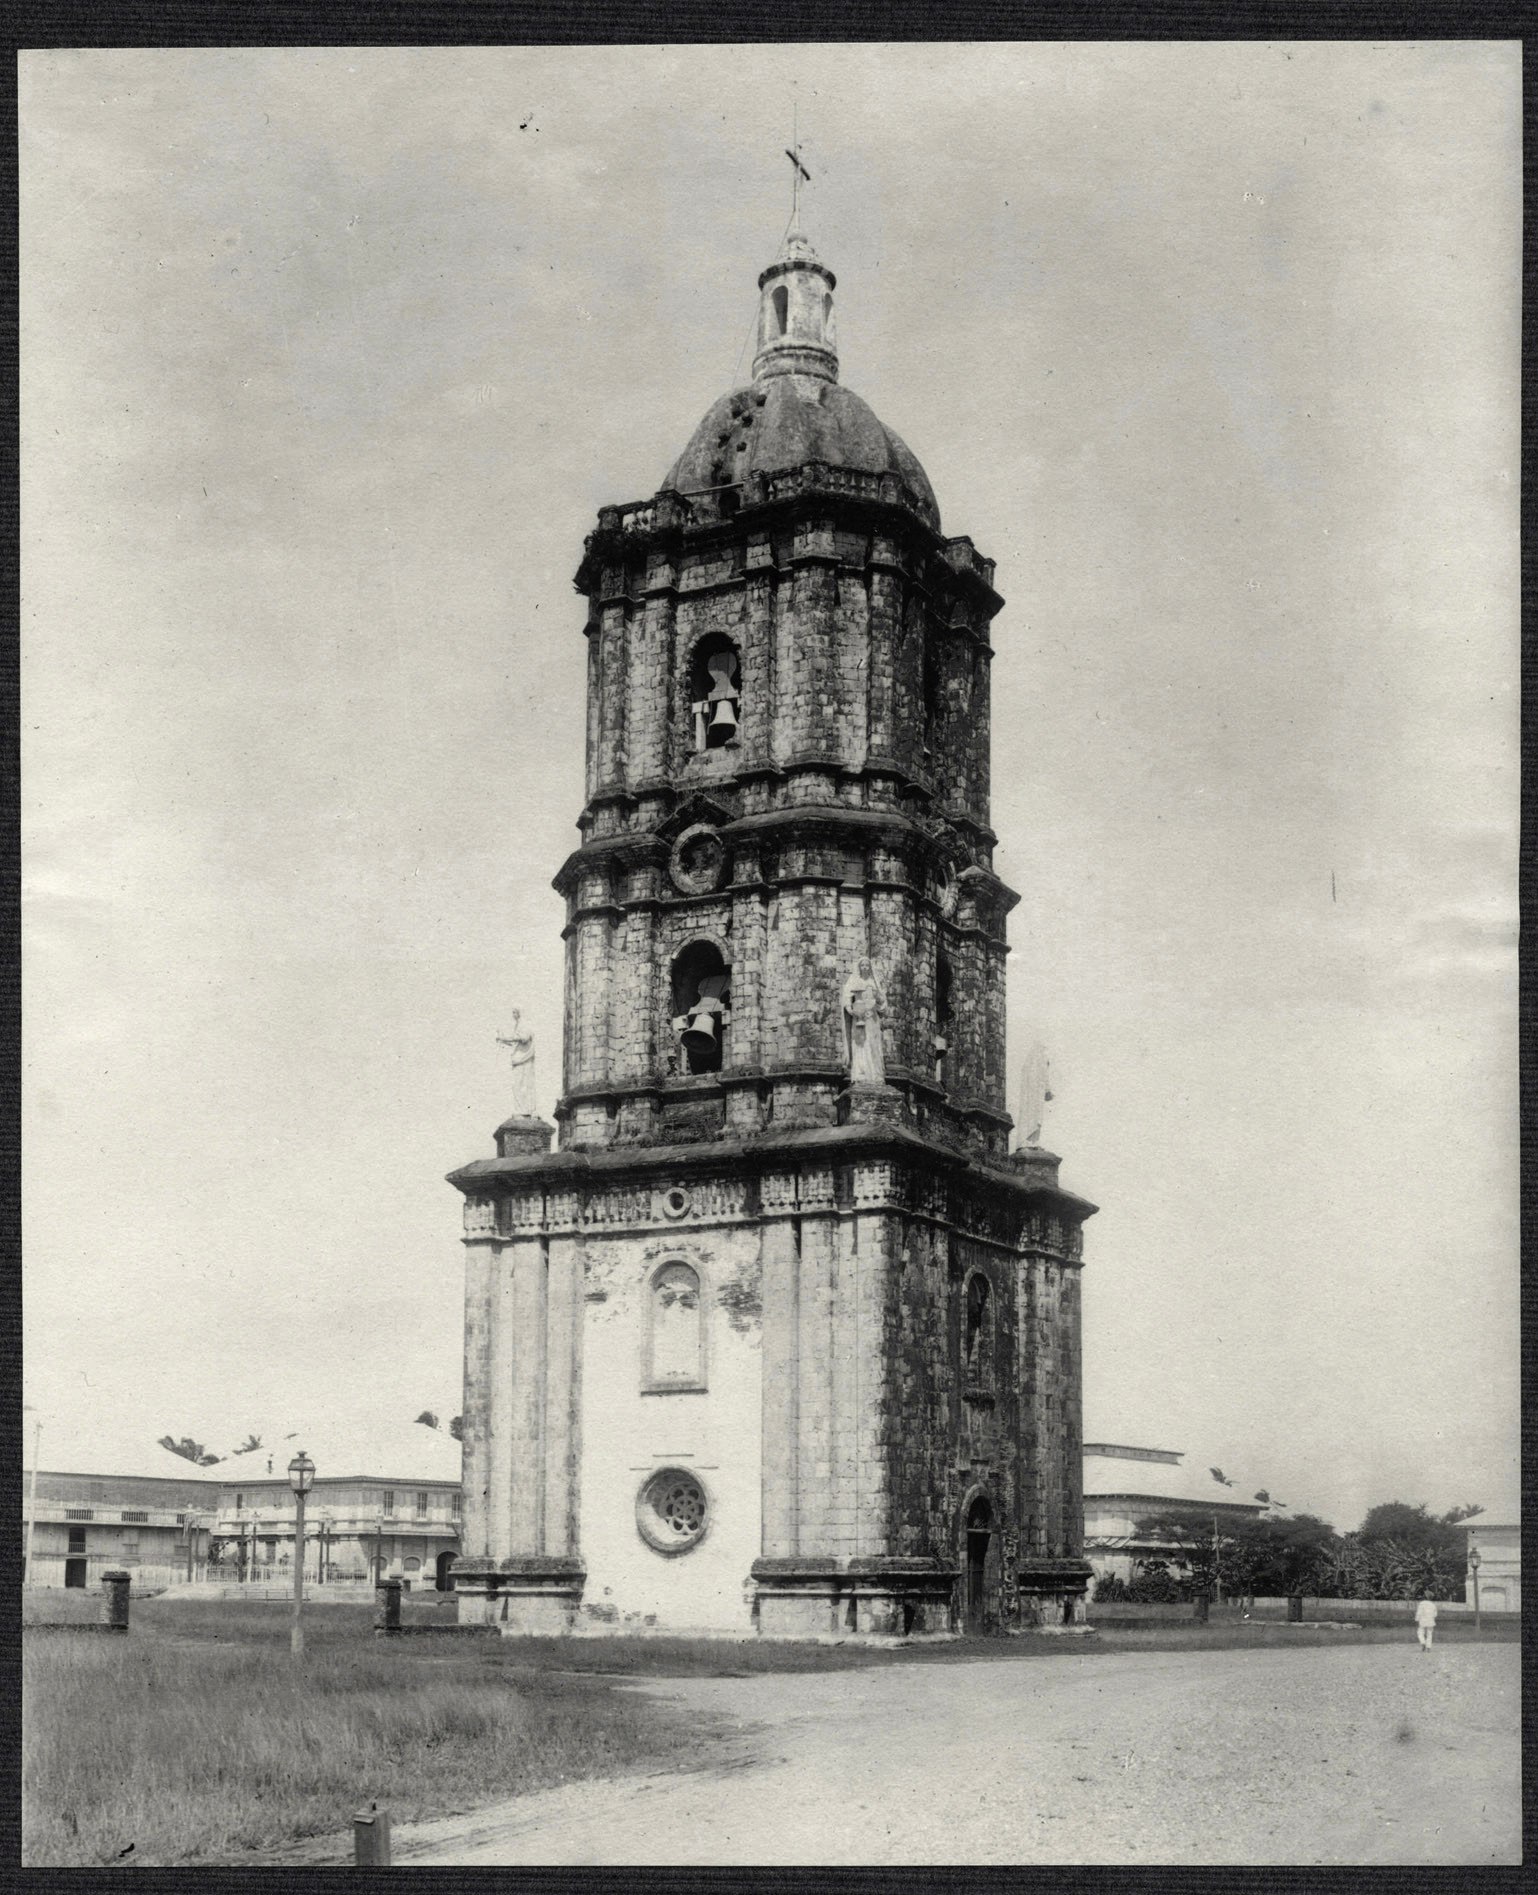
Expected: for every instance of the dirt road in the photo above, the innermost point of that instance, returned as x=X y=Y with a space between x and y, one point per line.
x=1356 y=1754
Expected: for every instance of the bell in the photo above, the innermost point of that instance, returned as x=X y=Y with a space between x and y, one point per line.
x=725 y=717
x=700 y=1033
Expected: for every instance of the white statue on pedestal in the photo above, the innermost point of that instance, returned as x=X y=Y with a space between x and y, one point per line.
x=1035 y=1096
x=522 y=1050
x=864 y=1004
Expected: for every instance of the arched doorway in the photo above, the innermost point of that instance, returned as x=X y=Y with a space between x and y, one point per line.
x=979 y=1531
x=445 y=1580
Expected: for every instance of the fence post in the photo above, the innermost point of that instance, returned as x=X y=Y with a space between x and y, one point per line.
x=115 y=1587
x=1295 y=1608
x=1203 y=1603
x=371 y=1838
x=387 y=1607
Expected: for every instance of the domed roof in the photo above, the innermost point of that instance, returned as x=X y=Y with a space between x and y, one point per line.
x=783 y=421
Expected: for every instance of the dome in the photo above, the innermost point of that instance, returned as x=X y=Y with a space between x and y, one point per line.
x=785 y=420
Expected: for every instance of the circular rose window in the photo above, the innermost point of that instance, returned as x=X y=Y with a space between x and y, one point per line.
x=698 y=860
x=671 y=1511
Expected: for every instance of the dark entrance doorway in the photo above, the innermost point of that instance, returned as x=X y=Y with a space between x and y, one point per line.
x=445 y=1572
x=74 y=1572
x=979 y=1532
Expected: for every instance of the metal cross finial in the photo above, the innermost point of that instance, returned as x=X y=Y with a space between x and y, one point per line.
x=798 y=170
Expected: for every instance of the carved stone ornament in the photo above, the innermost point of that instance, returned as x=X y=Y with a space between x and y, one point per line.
x=676 y=1202
x=698 y=860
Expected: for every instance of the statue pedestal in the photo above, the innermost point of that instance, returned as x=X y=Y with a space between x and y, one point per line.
x=864 y=1104
x=521 y=1134
x=1038 y=1164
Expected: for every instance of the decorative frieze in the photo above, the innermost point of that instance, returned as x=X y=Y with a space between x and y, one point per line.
x=878 y=1184
x=525 y=1210
x=618 y=1205
x=777 y=1192
x=480 y=1219
x=732 y=1196
x=816 y=1191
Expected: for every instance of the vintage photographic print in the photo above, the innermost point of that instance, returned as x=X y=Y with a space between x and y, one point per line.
x=771 y=807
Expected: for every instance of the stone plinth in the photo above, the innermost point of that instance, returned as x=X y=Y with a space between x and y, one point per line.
x=814 y=1598
x=871 y=1105
x=1051 y=1594
x=796 y=1598
x=902 y=1598
x=518 y=1135
x=529 y=1596
x=1036 y=1164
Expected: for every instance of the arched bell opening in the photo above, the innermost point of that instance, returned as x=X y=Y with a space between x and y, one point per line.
x=943 y=1019
x=934 y=700
x=715 y=692
x=701 y=981
x=977 y=1334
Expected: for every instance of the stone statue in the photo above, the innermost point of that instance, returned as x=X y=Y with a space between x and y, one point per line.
x=522 y=1046
x=1035 y=1096
x=864 y=1004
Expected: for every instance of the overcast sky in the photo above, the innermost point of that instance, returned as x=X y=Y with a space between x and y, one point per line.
x=329 y=358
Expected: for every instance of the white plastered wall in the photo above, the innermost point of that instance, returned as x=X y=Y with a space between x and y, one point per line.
x=628 y=1433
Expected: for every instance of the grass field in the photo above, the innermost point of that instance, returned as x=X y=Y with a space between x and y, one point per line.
x=196 y=1739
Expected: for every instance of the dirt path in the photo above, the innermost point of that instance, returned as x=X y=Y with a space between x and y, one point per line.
x=1359 y=1754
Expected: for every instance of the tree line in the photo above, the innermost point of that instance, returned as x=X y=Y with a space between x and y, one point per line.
x=1399 y=1552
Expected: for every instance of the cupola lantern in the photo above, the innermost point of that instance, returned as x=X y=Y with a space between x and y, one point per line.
x=796 y=334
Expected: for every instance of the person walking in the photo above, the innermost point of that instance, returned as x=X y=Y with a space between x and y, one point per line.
x=1426 y=1621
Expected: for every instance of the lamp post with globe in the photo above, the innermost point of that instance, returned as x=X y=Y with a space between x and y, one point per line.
x=301 y=1477
x=1474 y=1565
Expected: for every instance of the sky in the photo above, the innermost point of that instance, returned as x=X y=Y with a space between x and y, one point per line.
x=329 y=358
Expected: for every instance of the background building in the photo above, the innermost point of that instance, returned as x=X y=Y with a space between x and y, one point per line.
x=152 y=1524
x=1499 y=1544
x=1125 y=1487
x=386 y=1501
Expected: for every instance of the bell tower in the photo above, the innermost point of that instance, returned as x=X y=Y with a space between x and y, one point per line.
x=780 y=1336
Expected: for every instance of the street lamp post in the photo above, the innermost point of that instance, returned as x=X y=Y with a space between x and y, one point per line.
x=301 y=1477
x=1474 y=1565
x=37 y=1436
